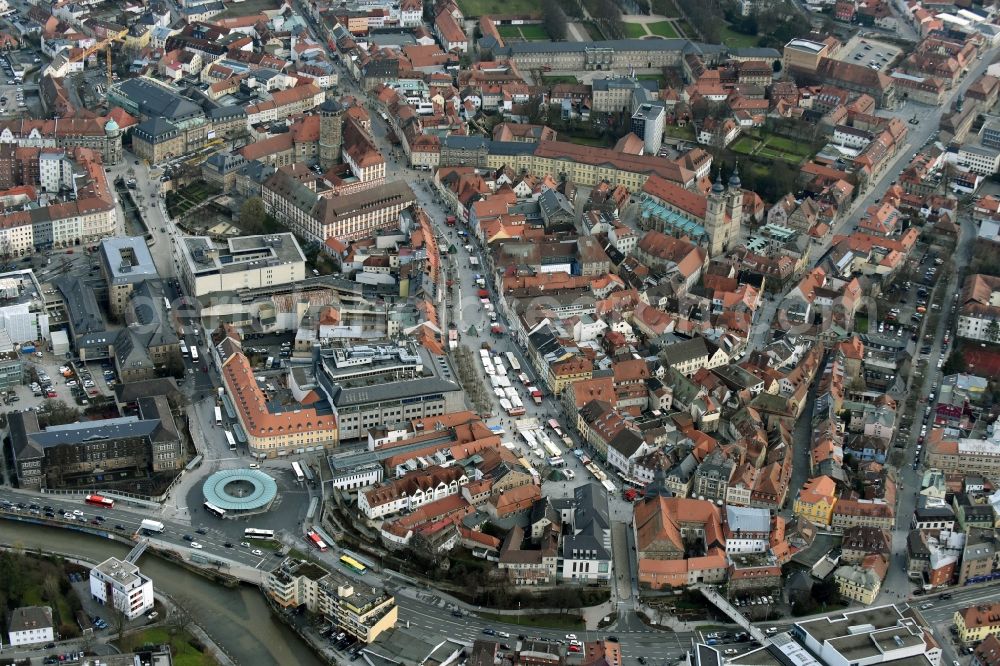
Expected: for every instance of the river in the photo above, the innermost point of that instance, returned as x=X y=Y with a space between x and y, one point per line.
x=237 y=619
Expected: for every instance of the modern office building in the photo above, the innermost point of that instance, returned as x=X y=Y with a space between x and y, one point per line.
x=373 y=386
x=360 y=611
x=648 y=122
x=22 y=309
x=247 y=262
x=120 y=585
x=125 y=261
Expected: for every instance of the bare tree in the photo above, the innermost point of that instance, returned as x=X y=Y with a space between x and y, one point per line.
x=554 y=20
x=119 y=616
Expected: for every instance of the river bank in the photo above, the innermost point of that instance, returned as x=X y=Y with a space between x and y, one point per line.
x=237 y=620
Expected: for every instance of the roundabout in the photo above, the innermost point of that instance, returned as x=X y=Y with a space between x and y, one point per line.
x=240 y=492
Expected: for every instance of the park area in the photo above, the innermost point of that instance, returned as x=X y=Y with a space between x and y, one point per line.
x=523 y=33
x=635 y=30
x=184 y=648
x=181 y=201
x=737 y=40
x=663 y=29
x=774 y=147
x=32 y=580
x=475 y=8
x=649 y=30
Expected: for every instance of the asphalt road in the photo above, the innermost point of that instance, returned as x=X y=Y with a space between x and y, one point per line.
x=130 y=518
x=425 y=613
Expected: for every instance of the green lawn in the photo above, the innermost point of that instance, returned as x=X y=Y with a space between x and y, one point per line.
x=663 y=29
x=509 y=31
x=587 y=141
x=738 y=40
x=686 y=28
x=545 y=621
x=861 y=324
x=787 y=145
x=779 y=155
x=559 y=78
x=686 y=132
x=534 y=33
x=634 y=30
x=660 y=81
x=476 y=8
x=184 y=653
x=744 y=144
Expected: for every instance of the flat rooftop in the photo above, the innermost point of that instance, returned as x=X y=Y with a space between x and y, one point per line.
x=838 y=626
x=124 y=572
x=362 y=374
x=127 y=259
x=204 y=257
x=21 y=288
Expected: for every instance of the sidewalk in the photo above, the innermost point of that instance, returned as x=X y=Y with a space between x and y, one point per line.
x=668 y=621
x=592 y=615
x=175 y=508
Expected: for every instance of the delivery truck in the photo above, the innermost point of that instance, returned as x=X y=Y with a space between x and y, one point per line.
x=151 y=525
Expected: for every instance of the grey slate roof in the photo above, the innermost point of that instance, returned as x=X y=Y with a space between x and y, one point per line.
x=590 y=521
x=747 y=519
x=155 y=100
x=156 y=128
x=680 y=45
x=688 y=350
x=155 y=422
x=756 y=52
x=81 y=307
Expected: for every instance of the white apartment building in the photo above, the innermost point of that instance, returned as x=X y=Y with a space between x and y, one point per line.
x=412 y=491
x=121 y=585
x=979 y=159
x=30 y=625
x=979 y=308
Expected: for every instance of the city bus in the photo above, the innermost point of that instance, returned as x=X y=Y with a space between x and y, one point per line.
x=184 y=348
x=194 y=354
x=318 y=542
x=297 y=470
x=214 y=510
x=98 y=500
x=308 y=472
x=231 y=440
x=218 y=416
x=515 y=365
x=352 y=564
x=253 y=533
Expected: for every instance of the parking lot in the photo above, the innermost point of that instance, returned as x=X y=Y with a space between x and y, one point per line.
x=48 y=378
x=905 y=304
x=869 y=52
